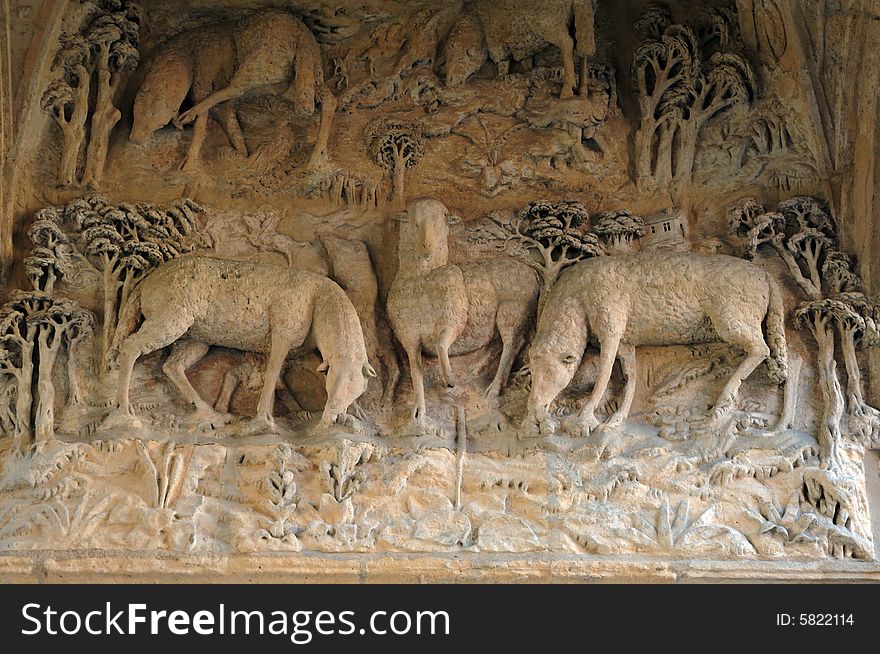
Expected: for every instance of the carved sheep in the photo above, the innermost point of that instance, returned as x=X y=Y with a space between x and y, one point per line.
x=446 y=309
x=268 y=51
x=517 y=29
x=651 y=299
x=194 y=302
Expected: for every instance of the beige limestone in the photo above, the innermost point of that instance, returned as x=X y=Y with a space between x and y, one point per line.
x=424 y=188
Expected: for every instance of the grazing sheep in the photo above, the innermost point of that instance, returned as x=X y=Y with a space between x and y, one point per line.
x=194 y=302
x=446 y=309
x=652 y=298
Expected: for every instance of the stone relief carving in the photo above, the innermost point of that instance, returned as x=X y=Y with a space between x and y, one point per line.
x=446 y=309
x=100 y=55
x=396 y=328
x=215 y=64
x=670 y=299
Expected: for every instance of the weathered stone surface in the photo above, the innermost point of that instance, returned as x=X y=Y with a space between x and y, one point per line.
x=339 y=294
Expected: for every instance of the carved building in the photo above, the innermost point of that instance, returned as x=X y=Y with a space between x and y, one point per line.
x=463 y=290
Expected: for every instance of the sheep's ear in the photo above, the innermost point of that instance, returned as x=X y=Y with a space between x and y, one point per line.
x=323 y=368
x=570 y=359
x=452 y=219
x=399 y=217
x=369 y=371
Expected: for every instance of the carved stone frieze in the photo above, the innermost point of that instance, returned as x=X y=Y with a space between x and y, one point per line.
x=486 y=278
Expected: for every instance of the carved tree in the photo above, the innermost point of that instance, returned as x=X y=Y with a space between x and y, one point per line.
x=751 y=224
x=397 y=147
x=857 y=321
x=114 y=41
x=50 y=257
x=653 y=21
x=53 y=325
x=80 y=328
x=550 y=237
x=809 y=235
x=618 y=229
x=838 y=273
x=727 y=83
x=104 y=51
x=818 y=315
x=17 y=339
x=66 y=99
x=126 y=241
x=803 y=233
x=659 y=66
x=103 y=248
x=680 y=92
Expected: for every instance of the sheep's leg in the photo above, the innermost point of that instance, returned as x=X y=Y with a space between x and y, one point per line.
x=511 y=328
x=153 y=334
x=328 y=108
x=263 y=421
x=414 y=356
x=229 y=93
x=444 y=341
x=627 y=355
x=183 y=355
x=582 y=423
x=756 y=351
x=232 y=128
x=200 y=129
x=569 y=80
x=230 y=383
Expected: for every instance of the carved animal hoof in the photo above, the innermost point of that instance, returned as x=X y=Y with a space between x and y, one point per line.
x=344 y=420
x=579 y=426
x=538 y=428
x=613 y=423
x=260 y=425
x=121 y=419
x=209 y=419
x=421 y=426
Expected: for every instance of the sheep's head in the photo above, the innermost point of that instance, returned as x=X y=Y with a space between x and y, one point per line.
x=158 y=100
x=347 y=379
x=424 y=230
x=556 y=352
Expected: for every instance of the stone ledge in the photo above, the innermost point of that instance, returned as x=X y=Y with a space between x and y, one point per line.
x=52 y=566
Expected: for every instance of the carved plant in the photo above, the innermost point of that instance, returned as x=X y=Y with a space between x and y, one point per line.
x=344 y=476
x=619 y=229
x=666 y=531
x=793 y=525
x=124 y=242
x=680 y=91
x=281 y=503
x=66 y=99
x=550 y=237
x=33 y=328
x=50 y=258
x=804 y=234
x=397 y=146
x=164 y=475
x=817 y=315
x=492 y=163
x=90 y=64
x=114 y=39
